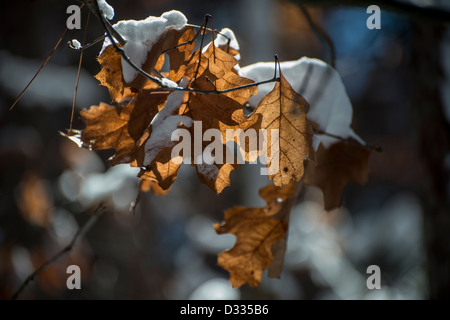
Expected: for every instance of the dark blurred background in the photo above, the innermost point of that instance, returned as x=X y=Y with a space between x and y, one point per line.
x=398 y=79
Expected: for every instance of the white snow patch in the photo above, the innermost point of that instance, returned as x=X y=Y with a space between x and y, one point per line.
x=169 y=83
x=164 y=123
x=141 y=35
x=75 y=44
x=107 y=10
x=223 y=36
x=161 y=136
x=320 y=85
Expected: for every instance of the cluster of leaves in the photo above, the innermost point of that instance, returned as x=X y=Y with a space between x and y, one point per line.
x=136 y=127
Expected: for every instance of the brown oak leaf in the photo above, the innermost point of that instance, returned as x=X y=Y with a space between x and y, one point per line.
x=285 y=110
x=110 y=75
x=168 y=40
x=120 y=127
x=182 y=55
x=336 y=166
x=213 y=112
x=260 y=236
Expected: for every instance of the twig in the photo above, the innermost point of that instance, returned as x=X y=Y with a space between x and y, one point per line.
x=321 y=34
x=78 y=72
x=88 y=45
x=204 y=24
x=376 y=148
x=40 y=69
x=157 y=80
x=95 y=9
x=200 y=28
x=212 y=36
x=80 y=233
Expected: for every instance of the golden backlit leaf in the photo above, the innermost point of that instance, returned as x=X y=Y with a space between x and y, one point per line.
x=218 y=112
x=110 y=75
x=214 y=112
x=119 y=128
x=181 y=56
x=285 y=110
x=140 y=124
x=260 y=236
x=163 y=170
x=336 y=166
x=168 y=40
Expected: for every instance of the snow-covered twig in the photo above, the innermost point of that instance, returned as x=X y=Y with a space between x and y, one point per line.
x=93 y=5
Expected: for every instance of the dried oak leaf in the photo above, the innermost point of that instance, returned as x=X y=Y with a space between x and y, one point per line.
x=223 y=112
x=182 y=55
x=162 y=171
x=215 y=111
x=286 y=110
x=110 y=75
x=336 y=166
x=120 y=127
x=110 y=60
x=167 y=41
x=147 y=185
x=260 y=236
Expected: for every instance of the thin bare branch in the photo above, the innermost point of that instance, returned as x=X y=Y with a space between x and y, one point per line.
x=78 y=72
x=200 y=28
x=204 y=24
x=164 y=86
x=95 y=9
x=157 y=80
x=40 y=69
x=99 y=211
x=88 y=45
x=321 y=34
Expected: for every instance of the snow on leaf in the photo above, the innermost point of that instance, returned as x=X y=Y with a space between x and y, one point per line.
x=146 y=40
x=119 y=128
x=320 y=85
x=106 y=9
x=218 y=111
x=154 y=147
